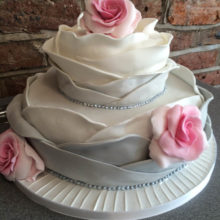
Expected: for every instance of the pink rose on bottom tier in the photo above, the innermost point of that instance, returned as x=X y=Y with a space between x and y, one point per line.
x=18 y=161
x=177 y=135
x=117 y=18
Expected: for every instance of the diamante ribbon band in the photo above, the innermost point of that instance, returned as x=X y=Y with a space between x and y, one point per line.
x=116 y=188
x=107 y=107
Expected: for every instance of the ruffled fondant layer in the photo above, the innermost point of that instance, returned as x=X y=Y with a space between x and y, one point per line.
x=143 y=52
x=74 y=161
x=54 y=112
x=122 y=92
x=96 y=132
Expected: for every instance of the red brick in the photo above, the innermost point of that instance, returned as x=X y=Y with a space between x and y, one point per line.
x=211 y=78
x=207 y=37
x=198 y=60
x=191 y=12
x=34 y=15
x=21 y=55
x=182 y=40
x=149 y=8
x=188 y=39
x=12 y=86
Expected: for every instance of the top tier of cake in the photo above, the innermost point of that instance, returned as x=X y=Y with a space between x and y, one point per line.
x=99 y=69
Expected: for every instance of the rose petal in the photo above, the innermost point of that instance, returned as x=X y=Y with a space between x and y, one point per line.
x=192 y=111
x=9 y=150
x=29 y=163
x=173 y=117
x=196 y=148
x=97 y=22
x=105 y=14
x=129 y=23
x=170 y=147
x=136 y=21
x=185 y=131
x=8 y=162
x=37 y=163
x=117 y=18
x=183 y=138
x=20 y=161
x=168 y=144
x=89 y=6
x=158 y=121
x=94 y=26
x=160 y=157
x=110 y=10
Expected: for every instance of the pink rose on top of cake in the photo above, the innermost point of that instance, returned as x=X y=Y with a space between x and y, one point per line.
x=117 y=18
x=177 y=135
x=18 y=161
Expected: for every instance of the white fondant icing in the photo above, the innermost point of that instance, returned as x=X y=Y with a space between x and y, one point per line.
x=114 y=124
x=145 y=51
x=84 y=67
x=102 y=70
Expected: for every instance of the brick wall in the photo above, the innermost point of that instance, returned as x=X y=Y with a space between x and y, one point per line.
x=26 y=24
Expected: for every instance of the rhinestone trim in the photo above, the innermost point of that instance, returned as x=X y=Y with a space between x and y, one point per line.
x=107 y=107
x=116 y=188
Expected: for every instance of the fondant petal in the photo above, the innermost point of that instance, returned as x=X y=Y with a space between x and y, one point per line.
x=196 y=148
x=129 y=22
x=95 y=27
x=168 y=145
x=158 y=121
x=192 y=111
x=9 y=150
x=173 y=117
x=37 y=166
x=188 y=152
x=22 y=161
x=158 y=155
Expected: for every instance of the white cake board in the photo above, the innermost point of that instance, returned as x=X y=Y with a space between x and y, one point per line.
x=73 y=200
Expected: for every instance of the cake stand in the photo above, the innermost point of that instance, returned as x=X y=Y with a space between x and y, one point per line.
x=77 y=201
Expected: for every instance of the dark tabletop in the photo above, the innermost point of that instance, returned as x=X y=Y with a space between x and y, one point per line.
x=15 y=205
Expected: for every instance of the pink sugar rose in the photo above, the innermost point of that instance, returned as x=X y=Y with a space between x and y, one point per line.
x=177 y=135
x=18 y=161
x=117 y=18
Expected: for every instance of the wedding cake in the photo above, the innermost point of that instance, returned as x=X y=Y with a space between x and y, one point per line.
x=113 y=113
